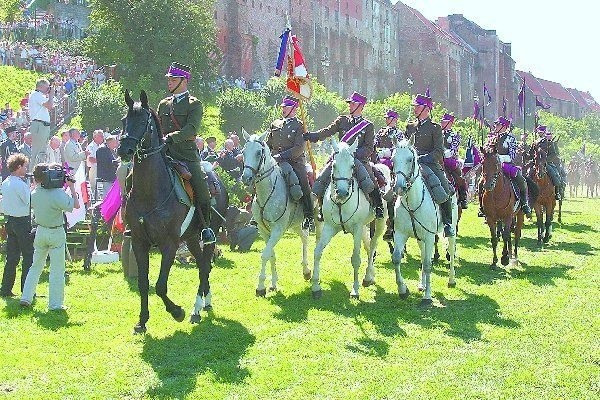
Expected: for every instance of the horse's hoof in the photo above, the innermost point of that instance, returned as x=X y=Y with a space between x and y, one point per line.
x=436 y=257
x=179 y=315
x=208 y=307
x=316 y=294
x=367 y=283
x=546 y=240
x=404 y=295
x=354 y=296
x=195 y=318
x=139 y=328
x=426 y=302
x=307 y=275
x=504 y=260
x=493 y=265
x=451 y=284
x=261 y=292
x=273 y=289
x=420 y=288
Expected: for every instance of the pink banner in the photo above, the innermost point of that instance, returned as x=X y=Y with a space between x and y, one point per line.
x=112 y=202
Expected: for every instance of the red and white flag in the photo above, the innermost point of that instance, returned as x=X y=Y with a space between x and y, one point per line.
x=298 y=80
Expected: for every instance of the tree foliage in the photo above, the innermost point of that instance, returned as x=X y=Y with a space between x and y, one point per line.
x=10 y=10
x=101 y=107
x=143 y=37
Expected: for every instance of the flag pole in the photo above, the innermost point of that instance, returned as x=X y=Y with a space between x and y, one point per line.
x=524 y=105
x=483 y=112
x=311 y=157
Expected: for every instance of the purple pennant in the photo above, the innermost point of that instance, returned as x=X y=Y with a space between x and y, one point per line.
x=475 y=110
x=522 y=98
x=486 y=93
x=540 y=103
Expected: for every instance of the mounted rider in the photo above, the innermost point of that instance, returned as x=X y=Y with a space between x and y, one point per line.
x=180 y=116
x=429 y=143
x=451 y=163
x=554 y=167
x=506 y=147
x=383 y=154
x=350 y=128
x=287 y=146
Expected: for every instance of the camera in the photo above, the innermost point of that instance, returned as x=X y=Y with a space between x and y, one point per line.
x=55 y=177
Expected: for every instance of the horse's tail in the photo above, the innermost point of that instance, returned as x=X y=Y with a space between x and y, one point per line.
x=533 y=189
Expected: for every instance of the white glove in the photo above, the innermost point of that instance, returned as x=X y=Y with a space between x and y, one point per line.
x=505 y=144
x=449 y=139
x=447 y=153
x=505 y=158
x=385 y=153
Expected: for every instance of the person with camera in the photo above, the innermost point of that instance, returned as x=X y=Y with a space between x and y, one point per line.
x=41 y=101
x=19 y=241
x=49 y=203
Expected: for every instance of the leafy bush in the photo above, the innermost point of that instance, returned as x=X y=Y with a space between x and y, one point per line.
x=242 y=108
x=101 y=107
x=16 y=84
x=236 y=190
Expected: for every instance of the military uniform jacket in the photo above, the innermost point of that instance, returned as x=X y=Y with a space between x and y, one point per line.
x=366 y=137
x=550 y=147
x=429 y=139
x=285 y=138
x=188 y=114
x=507 y=145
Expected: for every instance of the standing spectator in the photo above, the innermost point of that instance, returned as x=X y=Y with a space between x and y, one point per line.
x=209 y=154
x=53 y=151
x=41 y=101
x=64 y=139
x=199 y=144
x=25 y=147
x=229 y=163
x=107 y=162
x=49 y=205
x=236 y=145
x=7 y=148
x=19 y=243
x=97 y=141
x=73 y=154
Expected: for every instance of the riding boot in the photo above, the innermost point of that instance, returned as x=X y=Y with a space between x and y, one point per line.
x=389 y=233
x=446 y=210
x=307 y=203
x=377 y=202
x=522 y=184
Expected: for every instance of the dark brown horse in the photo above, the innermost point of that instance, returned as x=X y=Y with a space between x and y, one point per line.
x=500 y=206
x=546 y=201
x=154 y=214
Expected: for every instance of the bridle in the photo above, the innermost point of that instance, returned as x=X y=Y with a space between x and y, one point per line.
x=351 y=183
x=496 y=174
x=411 y=177
x=142 y=152
x=257 y=176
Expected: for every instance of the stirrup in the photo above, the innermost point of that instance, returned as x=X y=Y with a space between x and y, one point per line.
x=308 y=222
x=448 y=230
x=463 y=204
x=480 y=213
x=207 y=236
x=526 y=210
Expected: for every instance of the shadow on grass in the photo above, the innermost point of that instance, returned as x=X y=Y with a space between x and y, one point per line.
x=579 y=248
x=51 y=320
x=215 y=346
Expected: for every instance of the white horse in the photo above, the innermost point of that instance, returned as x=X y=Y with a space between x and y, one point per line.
x=418 y=216
x=272 y=207
x=346 y=207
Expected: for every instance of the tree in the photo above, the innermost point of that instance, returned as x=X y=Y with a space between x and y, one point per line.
x=101 y=107
x=10 y=10
x=143 y=37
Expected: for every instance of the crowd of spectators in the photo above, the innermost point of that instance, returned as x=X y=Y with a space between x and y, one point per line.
x=229 y=157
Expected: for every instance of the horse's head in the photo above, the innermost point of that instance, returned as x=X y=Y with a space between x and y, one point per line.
x=342 y=169
x=404 y=161
x=490 y=167
x=257 y=157
x=140 y=127
x=539 y=162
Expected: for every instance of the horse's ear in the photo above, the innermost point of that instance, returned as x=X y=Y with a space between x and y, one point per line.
x=263 y=137
x=144 y=100
x=245 y=135
x=128 y=99
x=354 y=146
x=335 y=144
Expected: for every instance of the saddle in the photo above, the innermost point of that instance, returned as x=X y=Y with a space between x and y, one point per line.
x=180 y=168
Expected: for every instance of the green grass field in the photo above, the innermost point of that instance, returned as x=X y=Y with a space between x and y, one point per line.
x=525 y=332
